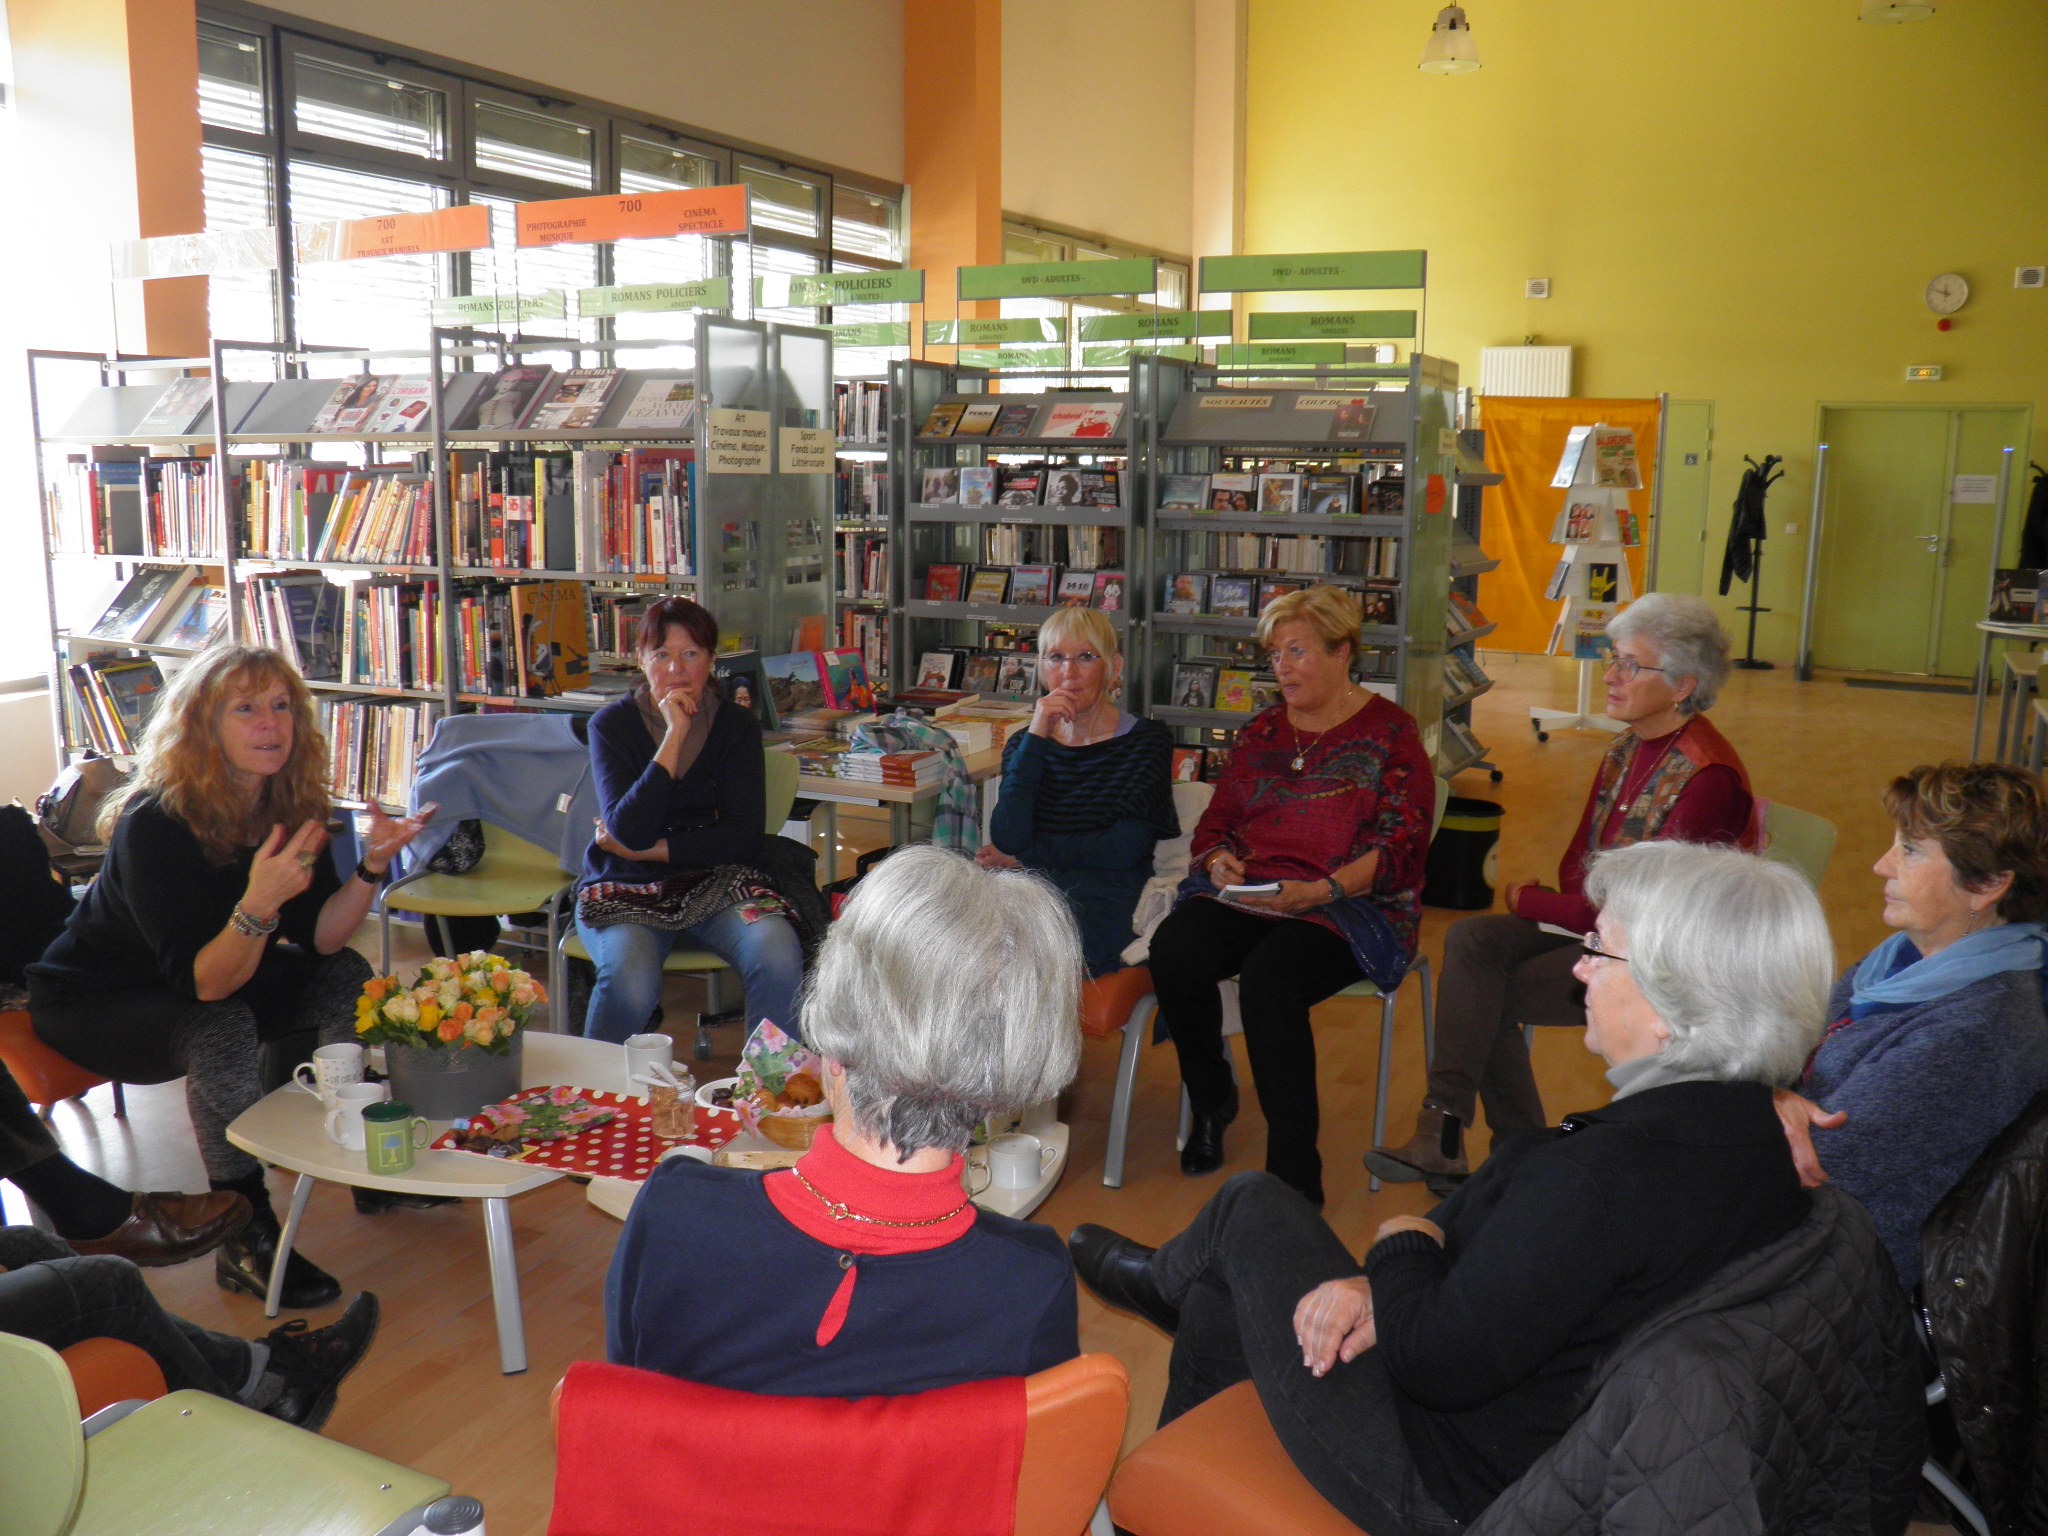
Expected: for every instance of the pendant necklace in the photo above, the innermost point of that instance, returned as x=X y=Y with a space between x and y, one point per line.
x=1300 y=751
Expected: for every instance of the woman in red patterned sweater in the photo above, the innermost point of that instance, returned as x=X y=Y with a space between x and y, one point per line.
x=1328 y=798
x=1670 y=776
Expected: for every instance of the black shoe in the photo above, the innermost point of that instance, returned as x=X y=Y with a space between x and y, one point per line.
x=242 y=1263
x=1204 y=1150
x=1120 y=1272
x=312 y=1361
x=375 y=1202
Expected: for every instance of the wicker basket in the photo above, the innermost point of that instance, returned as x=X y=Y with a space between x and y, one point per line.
x=795 y=1131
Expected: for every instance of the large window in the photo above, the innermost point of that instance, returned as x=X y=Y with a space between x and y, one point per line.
x=1024 y=242
x=302 y=127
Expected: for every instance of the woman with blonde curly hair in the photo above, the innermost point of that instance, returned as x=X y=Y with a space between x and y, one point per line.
x=216 y=924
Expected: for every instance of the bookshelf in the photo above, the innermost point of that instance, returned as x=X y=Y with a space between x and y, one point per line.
x=713 y=511
x=1465 y=680
x=1076 y=522
x=1236 y=441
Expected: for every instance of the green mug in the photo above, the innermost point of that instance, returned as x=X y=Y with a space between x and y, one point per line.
x=390 y=1135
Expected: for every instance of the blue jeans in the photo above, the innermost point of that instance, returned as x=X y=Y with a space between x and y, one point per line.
x=767 y=954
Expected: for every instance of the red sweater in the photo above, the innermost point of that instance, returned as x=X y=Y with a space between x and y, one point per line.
x=1714 y=808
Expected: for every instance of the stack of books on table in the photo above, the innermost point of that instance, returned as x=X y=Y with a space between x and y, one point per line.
x=839 y=760
x=1002 y=719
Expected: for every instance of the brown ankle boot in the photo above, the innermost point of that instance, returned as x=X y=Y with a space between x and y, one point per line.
x=1436 y=1150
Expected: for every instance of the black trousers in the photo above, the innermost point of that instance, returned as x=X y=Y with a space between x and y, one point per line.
x=1500 y=972
x=1284 y=966
x=1237 y=1274
x=24 y=1140
x=57 y=1298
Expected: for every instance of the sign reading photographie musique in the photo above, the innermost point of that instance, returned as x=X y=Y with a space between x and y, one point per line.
x=634 y=216
x=736 y=442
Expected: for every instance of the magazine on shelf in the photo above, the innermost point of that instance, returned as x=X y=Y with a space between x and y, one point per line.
x=1590 y=641
x=1464 y=614
x=407 y=406
x=1279 y=495
x=991 y=584
x=1194 y=685
x=1230 y=597
x=148 y=600
x=1270 y=592
x=745 y=682
x=505 y=403
x=1109 y=591
x=844 y=675
x=978 y=418
x=1015 y=420
x=1187 y=592
x=574 y=400
x=1351 y=422
x=944 y=417
x=1558 y=578
x=1568 y=462
x=1232 y=492
x=937 y=669
x=1083 y=419
x=939 y=488
x=199 y=619
x=1081 y=488
x=1627 y=525
x=977 y=486
x=1019 y=487
x=1031 y=586
x=1234 y=690
x=1614 y=459
x=1330 y=495
x=944 y=583
x=982 y=673
x=1077 y=589
x=1017 y=674
x=352 y=404
x=1187 y=765
x=1380 y=602
x=1603 y=581
x=669 y=404
x=117 y=694
x=794 y=684
x=1183 y=493
x=553 y=630
x=176 y=409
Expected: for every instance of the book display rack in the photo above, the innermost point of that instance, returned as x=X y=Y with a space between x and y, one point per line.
x=1464 y=678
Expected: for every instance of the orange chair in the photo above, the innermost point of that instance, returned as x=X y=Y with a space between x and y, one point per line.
x=1073 y=1426
x=107 y=1371
x=45 y=1077
x=1219 y=1470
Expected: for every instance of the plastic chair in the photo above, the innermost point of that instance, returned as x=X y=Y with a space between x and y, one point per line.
x=1799 y=838
x=1124 y=1000
x=109 y=1371
x=186 y=1462
x=780 y=774
x=1073 y=1427
x=512 y=876
x=44 y=1076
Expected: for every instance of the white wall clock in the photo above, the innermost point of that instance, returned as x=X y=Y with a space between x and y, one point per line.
x=1947 y=293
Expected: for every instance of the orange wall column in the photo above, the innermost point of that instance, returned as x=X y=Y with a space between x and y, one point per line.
x=107 y=93
x=953 y=141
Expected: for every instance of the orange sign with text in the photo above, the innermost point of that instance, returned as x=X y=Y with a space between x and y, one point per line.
x=634 y=216
x=467 y=228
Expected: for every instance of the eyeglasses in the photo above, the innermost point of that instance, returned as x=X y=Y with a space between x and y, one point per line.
x=1293 y=653
x=1592 y=942
x=1628 y=667
x=1062 y=659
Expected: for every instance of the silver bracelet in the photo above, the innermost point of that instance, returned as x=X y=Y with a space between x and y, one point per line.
x=248 y=927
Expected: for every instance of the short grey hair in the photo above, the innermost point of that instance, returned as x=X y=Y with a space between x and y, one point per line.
x=1688 y=638
x=1731 y=949
x=949 y=993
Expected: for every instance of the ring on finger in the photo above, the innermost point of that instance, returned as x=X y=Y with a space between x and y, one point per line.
x=308 y=860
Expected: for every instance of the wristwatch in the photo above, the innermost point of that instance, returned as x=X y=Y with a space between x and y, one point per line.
x=1336 y=890
x=367 y=876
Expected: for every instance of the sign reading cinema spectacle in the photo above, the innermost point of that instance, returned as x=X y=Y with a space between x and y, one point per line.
x=782 y=290
x=992 y=333
x=1060 y=279
x=1332 y=325
x=467 y=228
x=1336 y=269
x=633 y=216
x=706 y=293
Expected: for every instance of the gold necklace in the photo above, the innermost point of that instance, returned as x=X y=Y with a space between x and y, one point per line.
x=838 y=1210
x=1300 y=751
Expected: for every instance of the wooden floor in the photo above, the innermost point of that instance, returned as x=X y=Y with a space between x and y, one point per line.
x=431 y=1395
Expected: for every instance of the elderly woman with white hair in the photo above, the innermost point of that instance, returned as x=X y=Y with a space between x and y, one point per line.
x=1088 y=789
x=943 y=995
x=1672 y=777
x=1414 y=1387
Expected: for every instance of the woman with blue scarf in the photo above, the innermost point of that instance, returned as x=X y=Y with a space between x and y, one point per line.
x=1938 y=1038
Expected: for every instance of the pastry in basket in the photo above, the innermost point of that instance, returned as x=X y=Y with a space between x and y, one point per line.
x=780 y=1093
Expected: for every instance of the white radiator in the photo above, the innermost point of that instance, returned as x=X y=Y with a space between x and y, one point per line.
x=1539 y=371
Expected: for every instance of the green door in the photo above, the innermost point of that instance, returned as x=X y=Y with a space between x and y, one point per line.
x=1903 y=568
x=1683 y=563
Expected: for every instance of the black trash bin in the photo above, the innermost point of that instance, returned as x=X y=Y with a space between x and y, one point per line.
x=1465 y=857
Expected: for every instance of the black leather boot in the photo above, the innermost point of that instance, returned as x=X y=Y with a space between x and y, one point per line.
x=1204 y=1150
x=1119 y=1270
x=242 y=1263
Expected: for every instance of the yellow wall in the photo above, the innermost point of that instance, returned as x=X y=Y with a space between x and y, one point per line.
x=1738 y=201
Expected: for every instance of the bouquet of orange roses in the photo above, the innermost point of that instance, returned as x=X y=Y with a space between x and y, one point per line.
x=478 y=1000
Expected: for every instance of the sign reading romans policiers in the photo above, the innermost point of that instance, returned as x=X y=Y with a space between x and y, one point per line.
x=1060 y=279
x=500 y=309
x=1332 y=325
x=705 y=293
x=787 y=290
x=1336 y=269
x=633 y=216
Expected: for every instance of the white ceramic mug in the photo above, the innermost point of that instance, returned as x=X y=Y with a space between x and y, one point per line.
x=331 y=1066
x=1017 y=1161
x=345 y=1120
x=642 y=1053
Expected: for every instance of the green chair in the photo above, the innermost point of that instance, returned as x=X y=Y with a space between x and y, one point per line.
x=186 y=1462
x=512 y=876
x=780 y=773
x=1799 y=838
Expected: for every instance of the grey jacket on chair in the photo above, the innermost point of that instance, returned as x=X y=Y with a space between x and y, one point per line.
x=1782 y=1397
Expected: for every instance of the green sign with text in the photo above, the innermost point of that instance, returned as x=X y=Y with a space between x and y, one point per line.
x=638 y=298
x=1060 y=279
x=1300 y=354
x=888 y=333
x=1014 y=357
x=844 y=288
x=1115 y=356
x=970 y=333
x=504 y=309
x=1336 y=269
x=1178 y=324
x=1332 y=324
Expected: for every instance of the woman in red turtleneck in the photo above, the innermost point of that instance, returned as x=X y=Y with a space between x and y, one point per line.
x=943 y=994
x=1670 y=776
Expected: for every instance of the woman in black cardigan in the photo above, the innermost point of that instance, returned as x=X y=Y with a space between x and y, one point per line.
x=680 y=785
x=1412 y=1389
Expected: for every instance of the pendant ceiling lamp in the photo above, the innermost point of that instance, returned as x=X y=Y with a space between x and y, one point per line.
x=1896 y=10
x=1450 y=50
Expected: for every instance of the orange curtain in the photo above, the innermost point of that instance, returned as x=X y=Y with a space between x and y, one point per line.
x=1524 y=439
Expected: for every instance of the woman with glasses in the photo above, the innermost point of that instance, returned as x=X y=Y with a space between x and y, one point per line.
x=1669 y=777
x=1088 y=789
x=1305 y=875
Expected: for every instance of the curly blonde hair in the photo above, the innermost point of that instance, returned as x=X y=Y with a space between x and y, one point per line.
x=181 y=762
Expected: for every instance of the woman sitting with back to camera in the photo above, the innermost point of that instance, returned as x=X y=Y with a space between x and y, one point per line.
x=1671 y=776
x=682 y=797
x=218 y=924
x=942 y=995
x=1937 y=1038
x=1329 y=797
x=1087 y=790
x=1413 y=1388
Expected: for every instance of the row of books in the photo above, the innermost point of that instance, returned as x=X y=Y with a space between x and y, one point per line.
x=1201 y=683
x=831 y=758
x=1026 y=586
x=592 y=510
x=111 y=697
x=864 y=567
x=1306 y=553
x=1044 y=416
x=525 y=638
x=379 y=516
x=1462 y=672
x=868 y=633
x=374 y=747
x=860 y=410
x=1283 y=493
x=990 y=674
x=120 y=501
x=1028 y=485
x=1089 y=548
x=860 y=492
x=162 y=605
x=1224 y=596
